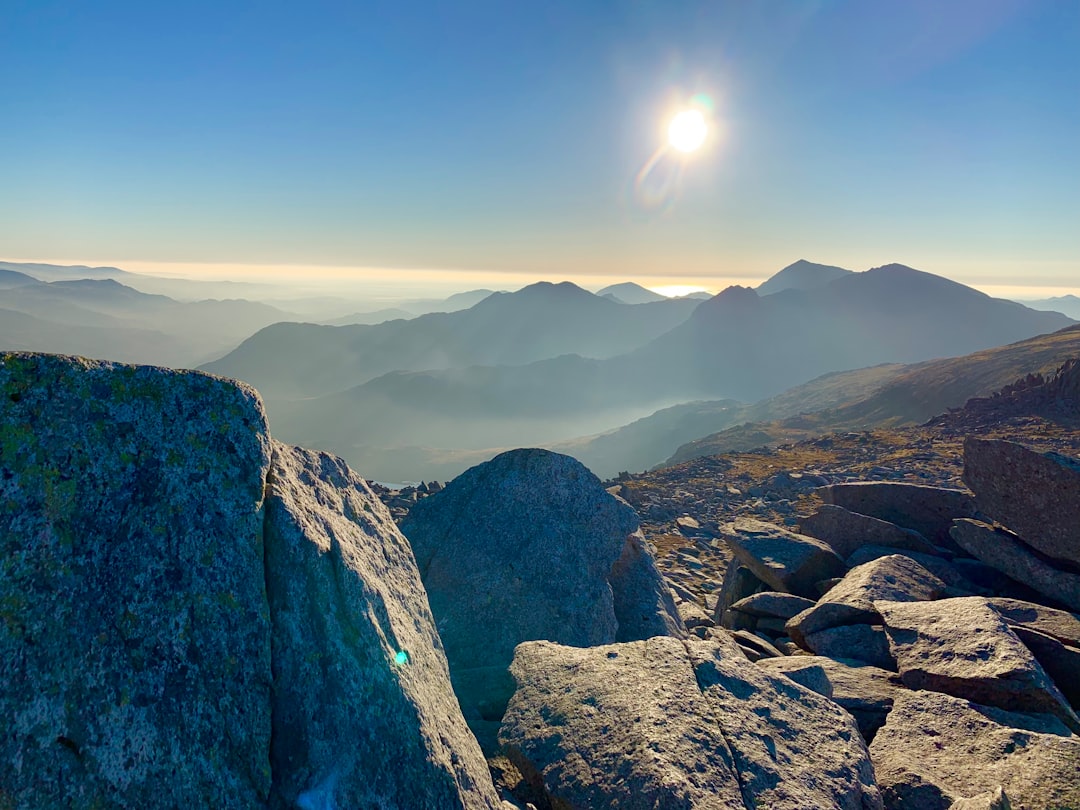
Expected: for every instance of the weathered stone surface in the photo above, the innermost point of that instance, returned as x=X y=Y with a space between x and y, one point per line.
x=523 y=547
x=1008 y=554
x=846 y=532
x=678 y=724
x=739 y=583
x=1062 y=663
x=784 y=560
x=364 y=714
x=865 y=692
x=754 y=646
x=773 y=603
x=935 y=749
x=860 y=642
x=134 y=634
x=805 y=670
x=1036 y=495
x=1059 y=624
x=994 y=800
x=642 y=601
x=944 y=570
x=964 y=648
x=893 y=578
x=926 y=510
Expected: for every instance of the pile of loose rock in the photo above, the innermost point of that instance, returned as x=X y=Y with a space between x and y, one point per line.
x=938 y=618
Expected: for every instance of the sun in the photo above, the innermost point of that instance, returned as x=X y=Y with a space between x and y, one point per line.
x=687 y=131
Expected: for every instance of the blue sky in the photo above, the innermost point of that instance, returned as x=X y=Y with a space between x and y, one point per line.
x=501 y=140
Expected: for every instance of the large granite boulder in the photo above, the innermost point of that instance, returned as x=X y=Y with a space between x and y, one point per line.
x=530 y=546
x=935 y=749
x=678 y=724
x=1008 y=554
x=860 y=642
x=171 y=639
x=865 y=692
x=894 y=578
x=134 y=634
x=963 y=647
x=739 y=583
x=364 y=714
x=783 y=559
x=927 y=510
x=1036 y=495
x=846 y=532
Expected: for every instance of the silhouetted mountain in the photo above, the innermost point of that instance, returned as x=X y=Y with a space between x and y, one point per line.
x=1065 y=304
x=454 y=303
x=919 y=392
x=630 y=293
x=172 y=332
x=701 y=295
x=10 y=279
x=61 y=272
x=371 y=318
x=540 y=321
x=802 y=275
x=743 y=345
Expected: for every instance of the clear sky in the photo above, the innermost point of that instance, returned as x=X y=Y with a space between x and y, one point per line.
x=501 y=140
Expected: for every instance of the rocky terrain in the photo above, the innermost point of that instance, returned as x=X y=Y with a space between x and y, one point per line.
x=194 y=614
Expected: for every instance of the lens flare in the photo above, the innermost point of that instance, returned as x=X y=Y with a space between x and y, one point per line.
x=687 y=131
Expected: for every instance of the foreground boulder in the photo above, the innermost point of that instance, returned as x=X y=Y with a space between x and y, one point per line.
x=671 y=723
x=846 y=532
x=135 y=640
x=963 y=647
x=935 y=749
x=1035 y=495
x=170 y=640
x=531 y=546
x=364 y=714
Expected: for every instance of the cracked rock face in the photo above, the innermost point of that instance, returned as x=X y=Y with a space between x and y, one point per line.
x=155 y=652
x=681 y=724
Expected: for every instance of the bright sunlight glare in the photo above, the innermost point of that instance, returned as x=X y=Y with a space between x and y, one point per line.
x=675 y=290
x=687 y=130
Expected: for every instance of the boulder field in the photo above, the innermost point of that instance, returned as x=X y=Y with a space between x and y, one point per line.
x=193 y=614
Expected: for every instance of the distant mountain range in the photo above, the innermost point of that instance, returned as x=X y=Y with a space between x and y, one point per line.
x=801 y=275
x=910 y=397
x=630 y=293
x=1066 y=304
x=544 y=320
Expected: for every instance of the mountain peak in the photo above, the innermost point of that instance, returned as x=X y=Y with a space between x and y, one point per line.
x=630 y=293
x=802 y=275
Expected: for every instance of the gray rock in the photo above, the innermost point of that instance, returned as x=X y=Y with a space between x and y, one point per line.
x=846 y=532
x=805 y=670
x=134 y=634
x=678 y=724
x=944 y=570
x=1036 y=495
x=1008 y=554
x=924 y=509
x=525 y=547
x=1061 y=662
x=1059 y=624
x=773 y=603
x=988 y=581
x=993 y=800
x=865 y=692
x=859 y=642
x=642 y=601
x=364 y=714
x=754 y=646
x=893 y=578
x=964 y=648
x=739 y=583
x=936 y=749
x=784 y=560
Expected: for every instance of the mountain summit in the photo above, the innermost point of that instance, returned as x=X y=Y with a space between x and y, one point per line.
x=802 y=275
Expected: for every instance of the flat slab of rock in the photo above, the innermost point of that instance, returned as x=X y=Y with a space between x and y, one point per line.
x=861 y=642
x=1035 y=495
x=1008 y=554
x=865 y=692
x=938 y=566
x=1059 y=624
x=134 y=635
x=531 y=546
x=927 y=510
x=894 y=578
x=1061 y=662
x=963 y=647
x=846 y=532
x=364 y=713
x=783 y=559
x=936 y=749
x=739 y=583
x=773 y=603
x=678 y=724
